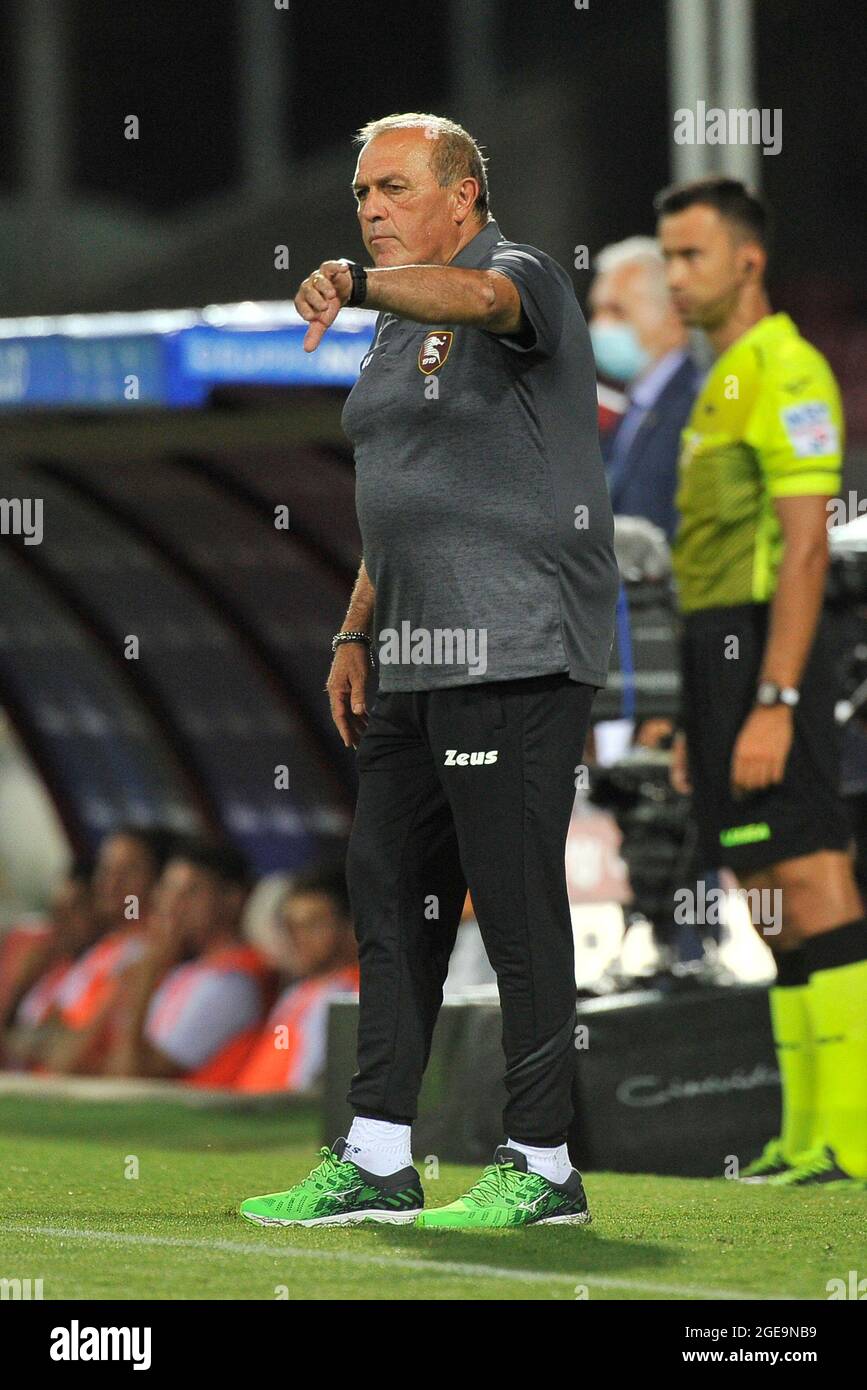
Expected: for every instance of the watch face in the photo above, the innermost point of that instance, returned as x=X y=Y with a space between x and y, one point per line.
x=769 y=693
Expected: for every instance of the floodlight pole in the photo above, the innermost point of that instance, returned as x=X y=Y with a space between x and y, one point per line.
x=265 y=50
x=712 y=60
x=45 y=118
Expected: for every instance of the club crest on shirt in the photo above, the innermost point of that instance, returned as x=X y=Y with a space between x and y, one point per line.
x=434 y=351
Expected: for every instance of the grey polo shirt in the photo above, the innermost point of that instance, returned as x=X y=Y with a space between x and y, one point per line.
x=485 y=520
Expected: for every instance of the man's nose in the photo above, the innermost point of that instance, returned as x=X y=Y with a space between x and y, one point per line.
x=371 y=211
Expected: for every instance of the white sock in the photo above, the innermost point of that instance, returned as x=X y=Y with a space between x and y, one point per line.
x=380 y=1147
x=553 y=1164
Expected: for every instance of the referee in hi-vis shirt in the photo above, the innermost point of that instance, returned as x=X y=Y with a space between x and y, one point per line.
x=759 y=746
x=487 y=592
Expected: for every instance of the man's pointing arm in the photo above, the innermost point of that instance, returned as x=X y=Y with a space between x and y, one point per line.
x=425 y=293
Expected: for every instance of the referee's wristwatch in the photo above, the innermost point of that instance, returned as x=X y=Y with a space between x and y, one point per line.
x=769 y=693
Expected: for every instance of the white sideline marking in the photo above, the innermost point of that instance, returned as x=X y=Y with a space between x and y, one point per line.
x=354 y=1257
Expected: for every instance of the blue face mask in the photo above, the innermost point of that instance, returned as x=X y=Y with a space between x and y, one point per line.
x=618 y=352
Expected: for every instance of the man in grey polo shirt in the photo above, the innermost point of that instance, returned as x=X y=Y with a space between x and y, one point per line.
x=487 y=590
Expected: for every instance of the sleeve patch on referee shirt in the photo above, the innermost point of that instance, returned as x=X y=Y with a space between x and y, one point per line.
x=810 y=429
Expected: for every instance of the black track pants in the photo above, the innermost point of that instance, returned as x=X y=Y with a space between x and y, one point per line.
x=468 y=786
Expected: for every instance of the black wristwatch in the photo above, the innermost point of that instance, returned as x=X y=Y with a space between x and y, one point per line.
x=358 y=293
x=769 y=693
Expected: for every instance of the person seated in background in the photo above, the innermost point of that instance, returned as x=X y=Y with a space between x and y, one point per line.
x=128 y=865
x=291 y=1049
x=194 y=1002
x=69 y=931
x=26 y=947
x=640 y=341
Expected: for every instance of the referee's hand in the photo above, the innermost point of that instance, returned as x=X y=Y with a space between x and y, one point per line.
x=346 y=685
x=762 y=749
x=321 y=297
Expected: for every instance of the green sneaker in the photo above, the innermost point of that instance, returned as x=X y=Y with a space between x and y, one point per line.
x=508 y=1195
x=339 y=1193
x=769 y=1164
x=819 y=1166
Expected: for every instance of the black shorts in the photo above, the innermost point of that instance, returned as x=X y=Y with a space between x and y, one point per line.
x=803 y=813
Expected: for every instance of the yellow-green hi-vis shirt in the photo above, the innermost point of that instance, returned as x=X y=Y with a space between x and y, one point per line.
x=767 y=423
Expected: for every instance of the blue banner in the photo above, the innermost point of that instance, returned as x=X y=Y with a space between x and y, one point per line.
x=177 y=366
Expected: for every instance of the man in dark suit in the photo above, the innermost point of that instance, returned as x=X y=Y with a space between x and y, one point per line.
x=640 y=342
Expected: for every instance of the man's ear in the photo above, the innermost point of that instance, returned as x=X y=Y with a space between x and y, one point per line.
x=754 y=259
x=465 y=198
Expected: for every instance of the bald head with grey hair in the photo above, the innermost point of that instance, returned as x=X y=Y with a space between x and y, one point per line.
x=421 y=186
x=454 y=154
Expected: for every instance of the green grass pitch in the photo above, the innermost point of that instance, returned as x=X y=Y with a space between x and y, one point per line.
x=72 y=1215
